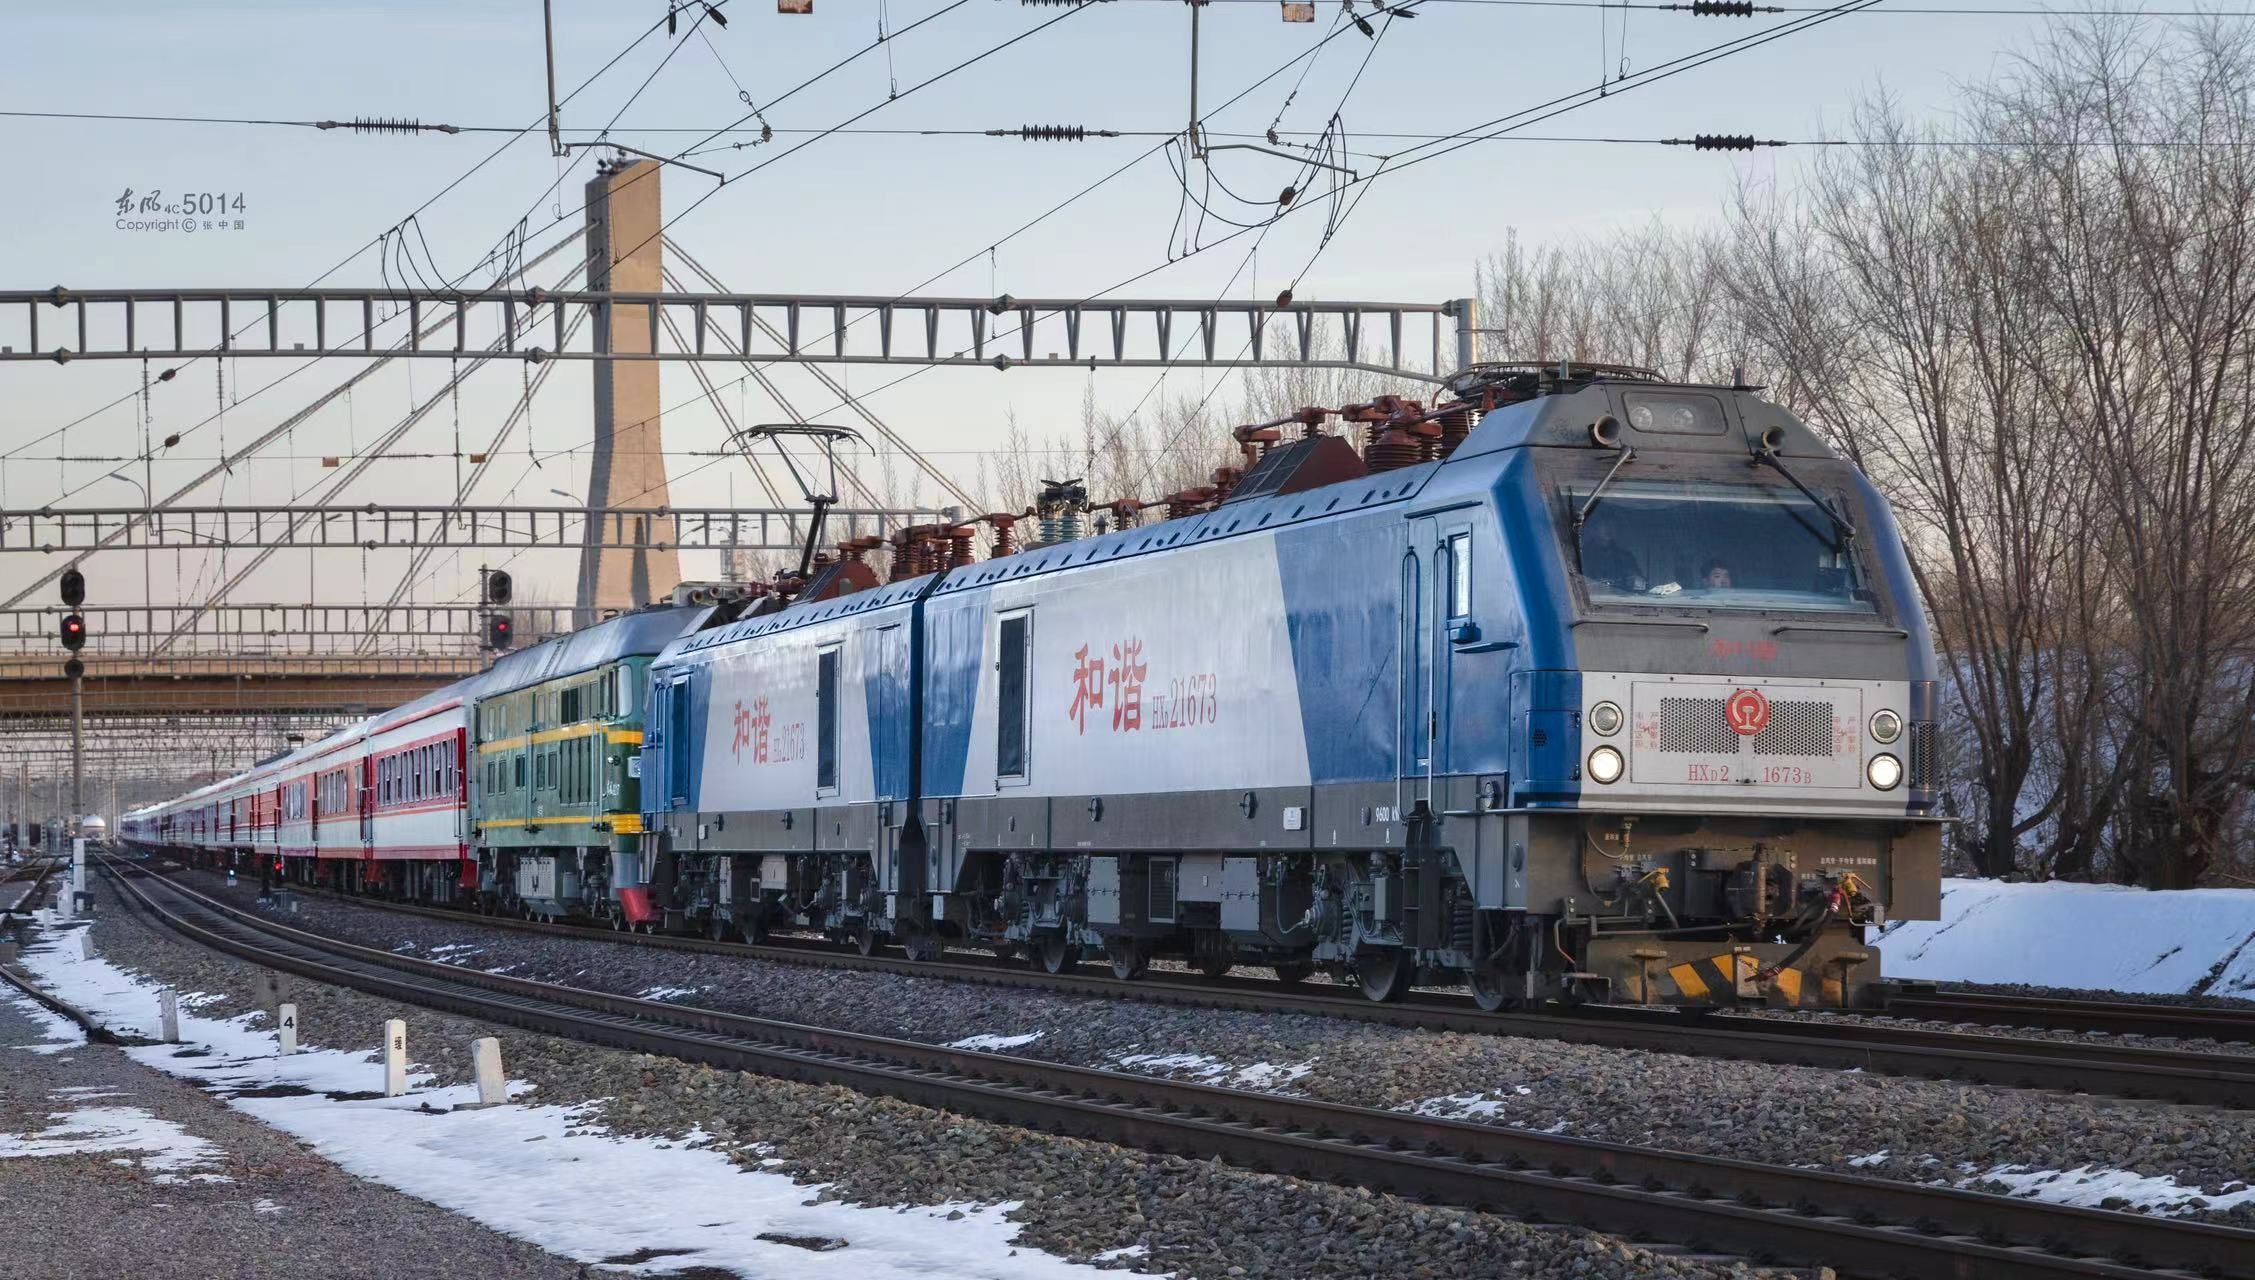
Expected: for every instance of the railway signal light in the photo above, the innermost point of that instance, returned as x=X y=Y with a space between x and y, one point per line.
x=74 y=632
x=73 y=669
x=74 y=588
x=499 y=634
x=499 y=588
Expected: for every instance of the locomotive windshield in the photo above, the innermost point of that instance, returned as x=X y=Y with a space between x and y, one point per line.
x=1701 y=545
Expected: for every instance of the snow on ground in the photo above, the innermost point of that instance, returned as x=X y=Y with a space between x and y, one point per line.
x=1207 y=1069
x=2093 y=1187
x=994 y=1042
x=59 y=1032
x=2090 y=936
x=153 y=1143
x=1465 y=1106
x=527 y=1170
x=654 y=993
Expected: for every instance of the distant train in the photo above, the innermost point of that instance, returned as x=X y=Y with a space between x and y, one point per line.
x=1621 y=694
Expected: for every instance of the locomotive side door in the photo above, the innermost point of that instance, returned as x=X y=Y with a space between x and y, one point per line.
x=1436 y=587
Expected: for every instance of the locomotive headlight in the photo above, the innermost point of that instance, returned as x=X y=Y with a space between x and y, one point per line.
x=1885 y=772
x=1886 y=726
x=1605 y=765
x=1605 y=717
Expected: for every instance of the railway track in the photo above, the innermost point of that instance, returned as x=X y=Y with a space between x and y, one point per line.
x=15 y=902
x=2179 y=1021
x=1861 y=1226
x=2222 y=1080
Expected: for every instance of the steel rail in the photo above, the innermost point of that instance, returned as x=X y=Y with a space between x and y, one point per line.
x=1866 y=1226
x=2180 y=1021
x=2220 y=1080
x=87 y=1022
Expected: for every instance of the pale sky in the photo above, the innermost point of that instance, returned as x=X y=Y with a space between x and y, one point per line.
x=849 y=214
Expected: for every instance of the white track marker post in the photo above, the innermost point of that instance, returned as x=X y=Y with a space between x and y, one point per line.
x=286 y=1029
x=395 y=1058
x=86 y=944
x=168 y=1016
x=493 y=1087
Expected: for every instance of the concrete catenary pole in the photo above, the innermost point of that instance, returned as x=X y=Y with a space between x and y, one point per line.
x=628 y=467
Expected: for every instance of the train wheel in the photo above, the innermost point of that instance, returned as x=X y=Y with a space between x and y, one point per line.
x=1385 y=975
x=1129 y=960
x=1489 y=990
x=1215 y=966
x=716 y=929
x=1293 y=972
x=865 y=940
x=753 y=930
x=1055 y=954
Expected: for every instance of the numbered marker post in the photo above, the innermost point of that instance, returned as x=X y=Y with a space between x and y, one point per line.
x=168 y=1016
x=493 y=1086
x=395 y=1058
x=286 y=1029
x=86 y=944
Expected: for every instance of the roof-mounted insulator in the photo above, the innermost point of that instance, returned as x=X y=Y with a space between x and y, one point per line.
x=1188 y=502
x=1126 y=512
x=1225 y=482
x=1053 y=133
x=375 y=124
x=856 y=550
x=959 y=549
x=1721 y=142
x=1004 y=524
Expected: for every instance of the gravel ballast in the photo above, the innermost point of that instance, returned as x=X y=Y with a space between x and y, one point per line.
x=1915 y=1129
x=219 y=1195
x=1080 y=1199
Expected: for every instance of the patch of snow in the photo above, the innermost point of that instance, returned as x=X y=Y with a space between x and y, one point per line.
x=2091 y=1186
x=1270 y=1076
x=657 y=993
x=57 y=1032
x=1866 y=1162
x=521 y=1169
x=1207 y=1069
x=2096 y=936
x=1458 y=1106
x=994 y=1042
x=1123 y=1252
x=265 y=1206
x=165 y=1148
x=1203 y=1066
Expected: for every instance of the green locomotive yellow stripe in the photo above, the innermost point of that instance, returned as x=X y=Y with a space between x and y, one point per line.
x=617 y=737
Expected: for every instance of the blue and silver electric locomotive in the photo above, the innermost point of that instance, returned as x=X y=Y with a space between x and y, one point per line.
x=1623 y=694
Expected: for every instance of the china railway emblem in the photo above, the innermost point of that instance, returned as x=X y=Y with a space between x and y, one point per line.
x=1748 y=711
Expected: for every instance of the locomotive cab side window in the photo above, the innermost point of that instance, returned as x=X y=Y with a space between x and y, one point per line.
x=826 y=721
x=1012 y=654
x=1458 y=564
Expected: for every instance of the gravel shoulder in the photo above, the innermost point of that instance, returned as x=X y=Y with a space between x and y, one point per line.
x=109 y=1168
x=1919 y=1130
x=1077 y=1199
